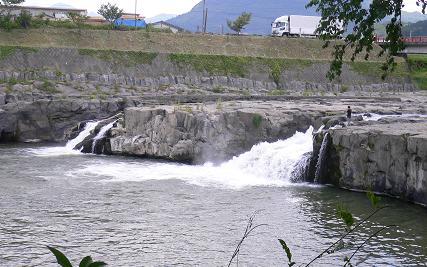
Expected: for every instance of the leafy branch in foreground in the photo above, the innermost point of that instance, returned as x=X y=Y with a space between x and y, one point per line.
x=348 y=220
x=65 y=262
x=250 y=227
x=359 y=19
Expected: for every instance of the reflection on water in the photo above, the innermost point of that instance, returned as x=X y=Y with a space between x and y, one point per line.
x=187 y=218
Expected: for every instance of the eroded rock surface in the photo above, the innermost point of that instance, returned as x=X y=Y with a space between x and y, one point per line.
x=388 y=157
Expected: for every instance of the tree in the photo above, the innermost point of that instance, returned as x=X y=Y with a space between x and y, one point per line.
x=110 y=12
x=24 y=19
x=4 y=4
x=359 y=18
x=239 y=24
x=77 y=19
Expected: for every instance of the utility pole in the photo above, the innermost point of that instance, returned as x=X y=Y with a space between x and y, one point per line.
x=136 y=1
x=206 y=20
x=203 y=16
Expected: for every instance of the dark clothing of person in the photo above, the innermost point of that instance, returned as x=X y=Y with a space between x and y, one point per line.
x=349 y=113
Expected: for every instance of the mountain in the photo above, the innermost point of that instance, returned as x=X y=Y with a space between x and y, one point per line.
x=263 y=13
x=415 y=29
x=412 y=17
x=62 y=5
x=160 y=17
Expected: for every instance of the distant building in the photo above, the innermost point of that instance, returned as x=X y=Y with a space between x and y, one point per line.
x=167 y=25
x=131 y=19
x=51 y=12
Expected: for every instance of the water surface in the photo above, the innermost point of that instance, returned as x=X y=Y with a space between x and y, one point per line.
x=136 y=212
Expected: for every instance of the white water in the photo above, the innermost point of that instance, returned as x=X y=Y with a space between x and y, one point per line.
x=321 y=157
x=101 y=134
x=376 y=117
x=266 y=164
x=68 y=149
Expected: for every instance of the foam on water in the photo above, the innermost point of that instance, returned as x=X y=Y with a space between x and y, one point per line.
x=266 y=164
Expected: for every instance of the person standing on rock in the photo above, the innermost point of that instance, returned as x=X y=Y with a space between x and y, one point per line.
x=348 y=115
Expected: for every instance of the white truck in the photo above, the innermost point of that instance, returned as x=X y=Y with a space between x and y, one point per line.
x=295 y=25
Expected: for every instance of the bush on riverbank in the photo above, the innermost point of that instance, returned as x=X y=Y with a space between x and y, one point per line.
x=418 y=70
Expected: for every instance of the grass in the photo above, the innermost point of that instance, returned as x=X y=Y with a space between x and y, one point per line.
x=48 y=87
x=418 y=70
x=276 y=92
x=256 y=120
x=370 y=68
x=214 y=64
x=127 y=58
x=237 y=65
x=6 y=51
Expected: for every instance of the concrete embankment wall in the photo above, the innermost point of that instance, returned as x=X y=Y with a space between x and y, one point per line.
x=163 y=72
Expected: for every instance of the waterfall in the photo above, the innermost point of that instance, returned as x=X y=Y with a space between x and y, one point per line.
x=266 y=164
x=101 y=134
x=321 y=158
x=276 y=160
x=89 y=127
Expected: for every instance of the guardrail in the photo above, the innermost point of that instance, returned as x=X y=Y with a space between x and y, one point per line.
x=406 y=40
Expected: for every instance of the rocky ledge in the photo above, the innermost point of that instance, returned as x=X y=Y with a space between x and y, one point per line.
x=197 y=133
x=389 y=157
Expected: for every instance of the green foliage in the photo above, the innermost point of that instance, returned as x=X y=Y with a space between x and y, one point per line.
x=126 y=58
x=360 y=18
x=288 y=252
x=218 y=90
x=11 y=2
x=77 y=18
x=418 y=70
x=48 y=87
x=110 y=12
x=65 y=262
x=239 y=24
x=24 y=19
x=374 y=199
x=6 y=51
x=219 y=104
x=6 y=22
x=345 y=216
x=256 y=120
x=214 y=64
x=237 y=65
x=277 y=92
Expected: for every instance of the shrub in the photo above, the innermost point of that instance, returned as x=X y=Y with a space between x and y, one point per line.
x=256 y=120
x=24 y=20
x=7 y=23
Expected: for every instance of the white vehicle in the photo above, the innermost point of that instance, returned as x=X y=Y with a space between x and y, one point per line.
x=295 y=26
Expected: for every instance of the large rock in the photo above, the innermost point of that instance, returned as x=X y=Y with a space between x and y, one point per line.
x=200 y=133
x=390 y=158
x=50 y=120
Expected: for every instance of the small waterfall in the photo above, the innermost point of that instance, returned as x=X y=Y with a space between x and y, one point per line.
x=101 y=134
x=89 y=127
x=321 y=159
x=274 y=160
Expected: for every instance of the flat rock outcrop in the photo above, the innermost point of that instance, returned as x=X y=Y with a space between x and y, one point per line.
x=388 y=157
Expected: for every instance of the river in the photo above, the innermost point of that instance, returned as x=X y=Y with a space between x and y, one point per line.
x=138 y=212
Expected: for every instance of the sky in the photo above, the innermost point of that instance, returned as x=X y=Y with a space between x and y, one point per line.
x=149 y=8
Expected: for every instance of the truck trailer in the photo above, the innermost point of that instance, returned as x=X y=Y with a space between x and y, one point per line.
x=295 y=25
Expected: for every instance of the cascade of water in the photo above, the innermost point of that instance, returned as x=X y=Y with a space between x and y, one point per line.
x=321 y=158
x=89 y=127
x=101 y=134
